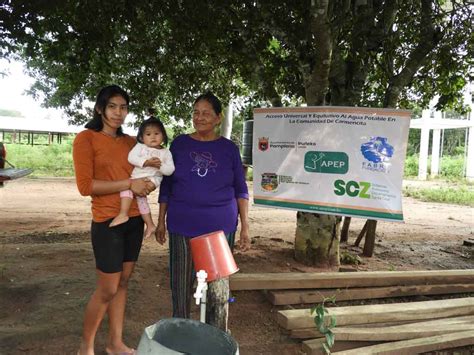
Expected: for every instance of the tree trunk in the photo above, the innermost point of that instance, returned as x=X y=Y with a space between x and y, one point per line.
x=317 y=239
x=345 y=229
x=317 y=236
x=369 y=244
x=217 y=308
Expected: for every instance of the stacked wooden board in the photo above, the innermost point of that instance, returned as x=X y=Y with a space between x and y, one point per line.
x=393 y=328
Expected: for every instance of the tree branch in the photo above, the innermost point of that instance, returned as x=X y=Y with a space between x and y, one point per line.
x=429 y=38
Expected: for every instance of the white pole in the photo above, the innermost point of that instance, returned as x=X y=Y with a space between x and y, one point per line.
x=424 y=142
x=435 y=148
x=470 y=147
x=226 y=127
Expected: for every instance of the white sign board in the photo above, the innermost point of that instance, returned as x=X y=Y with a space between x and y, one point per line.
x=331 y=160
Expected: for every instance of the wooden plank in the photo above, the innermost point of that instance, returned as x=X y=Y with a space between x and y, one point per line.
x=378 y=330
x=367 y=334
x=302 y=318
x=285 y=297
x=313 y=333
x=416 y=346
x=315 y=347
x=305 y=333
x=291 y=280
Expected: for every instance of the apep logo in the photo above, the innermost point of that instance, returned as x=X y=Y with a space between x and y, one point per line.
x=378 y=152
x=263 y=143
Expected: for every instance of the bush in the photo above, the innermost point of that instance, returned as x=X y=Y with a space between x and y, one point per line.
x=451 y=167
x=411 y=165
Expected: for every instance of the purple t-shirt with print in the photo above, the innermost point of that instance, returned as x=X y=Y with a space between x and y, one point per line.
x=202 y=192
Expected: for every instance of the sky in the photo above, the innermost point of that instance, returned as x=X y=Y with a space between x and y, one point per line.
x=12 y=92
x=13 y=96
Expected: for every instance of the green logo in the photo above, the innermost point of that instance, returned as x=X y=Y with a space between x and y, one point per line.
x=326 y=162
x=352 y=188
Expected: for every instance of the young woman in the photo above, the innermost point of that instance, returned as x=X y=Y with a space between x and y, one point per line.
x=102 y=171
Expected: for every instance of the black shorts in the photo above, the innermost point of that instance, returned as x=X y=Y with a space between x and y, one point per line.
x=116 y=245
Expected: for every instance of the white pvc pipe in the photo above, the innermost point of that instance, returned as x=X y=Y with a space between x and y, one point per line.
x=201 y=293
x=203 y=304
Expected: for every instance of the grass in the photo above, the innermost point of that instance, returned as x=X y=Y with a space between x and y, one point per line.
x=56 y=160
x=451 y=167
x=461 y=195
x=45 y=160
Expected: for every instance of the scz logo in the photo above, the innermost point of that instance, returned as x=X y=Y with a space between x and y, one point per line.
x=352 y=188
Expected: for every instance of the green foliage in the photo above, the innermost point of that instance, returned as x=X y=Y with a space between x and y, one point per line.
x=461 y=195
x=411 y=165
x=414 y=137
x=350 y=259
x=274 y=51
x=391 y=267
x=451 y=167
x=45 y=160
x=250 y=174
x=322 y=325
x=452 y=143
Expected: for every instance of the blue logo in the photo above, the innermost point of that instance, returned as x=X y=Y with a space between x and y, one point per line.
x=377 y=150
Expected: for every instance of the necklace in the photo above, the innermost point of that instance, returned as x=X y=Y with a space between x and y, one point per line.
x=108 y=134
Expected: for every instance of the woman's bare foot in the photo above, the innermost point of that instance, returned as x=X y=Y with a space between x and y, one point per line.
x=84 y=350
x=150 y=230
x=120 y=350
x=120 y=219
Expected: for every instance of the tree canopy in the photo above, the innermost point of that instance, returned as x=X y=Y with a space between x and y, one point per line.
x=362 y=52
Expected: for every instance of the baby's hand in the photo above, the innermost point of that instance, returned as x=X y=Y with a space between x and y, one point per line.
x=153 y=162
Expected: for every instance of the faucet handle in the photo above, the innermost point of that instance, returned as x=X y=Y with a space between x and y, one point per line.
x=201 y=275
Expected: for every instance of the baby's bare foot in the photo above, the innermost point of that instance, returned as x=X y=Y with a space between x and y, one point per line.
x=149 y=231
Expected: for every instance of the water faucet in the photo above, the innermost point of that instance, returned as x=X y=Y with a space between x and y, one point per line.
x=201 y=286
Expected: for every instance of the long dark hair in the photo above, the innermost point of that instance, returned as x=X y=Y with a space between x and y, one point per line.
x=152 y=122
x=212 y=99
x=103 y=97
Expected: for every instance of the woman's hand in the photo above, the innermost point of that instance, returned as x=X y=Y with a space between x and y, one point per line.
x=244 y=241
x=153 y=162
x=150 y=187
x=142 y=187
x=160 y=233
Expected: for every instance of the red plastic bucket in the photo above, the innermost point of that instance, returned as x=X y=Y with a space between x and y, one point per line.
x=212 y=254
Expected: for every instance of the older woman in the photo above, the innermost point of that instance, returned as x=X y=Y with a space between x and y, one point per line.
x=206 y=193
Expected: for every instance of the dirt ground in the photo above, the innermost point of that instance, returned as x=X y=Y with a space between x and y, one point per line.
x=47 y=267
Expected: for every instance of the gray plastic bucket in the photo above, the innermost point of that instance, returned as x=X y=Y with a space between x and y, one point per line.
x=185 y=336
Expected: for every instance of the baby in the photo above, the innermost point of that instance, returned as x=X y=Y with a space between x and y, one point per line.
x=151 y=137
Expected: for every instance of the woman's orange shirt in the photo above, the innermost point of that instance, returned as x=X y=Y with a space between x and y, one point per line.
x=100 y=157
